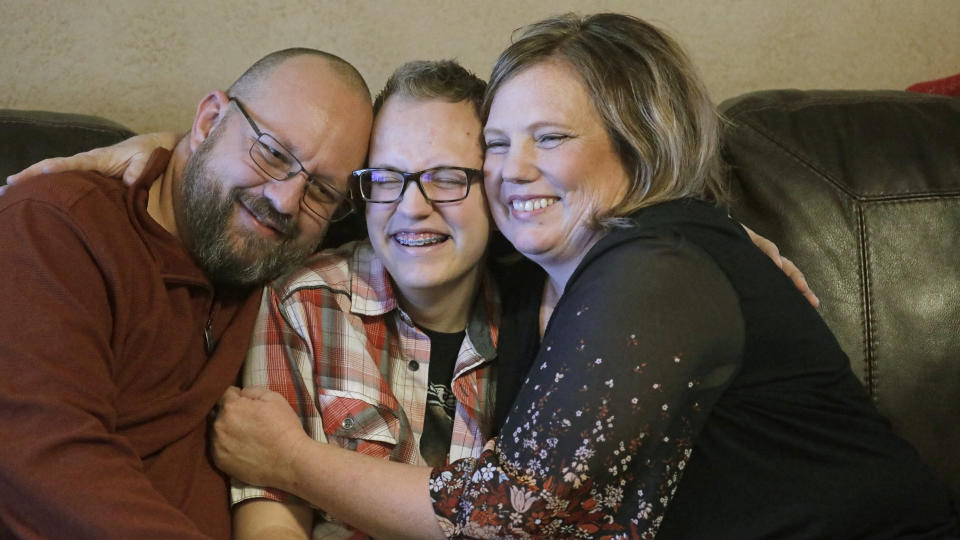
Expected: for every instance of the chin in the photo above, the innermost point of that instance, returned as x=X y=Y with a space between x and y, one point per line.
x=421 y=282
x=530 y=245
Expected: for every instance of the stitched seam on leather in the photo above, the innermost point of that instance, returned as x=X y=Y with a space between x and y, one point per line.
x=915 y=199
x=867 y=305
x=803 y=162
x=829 y=99
x=870 y=348
x=867 y=197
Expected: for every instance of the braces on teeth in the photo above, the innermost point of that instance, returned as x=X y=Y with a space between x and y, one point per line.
x=420 y=240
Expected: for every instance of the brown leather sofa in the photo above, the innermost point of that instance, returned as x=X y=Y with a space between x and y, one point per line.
x=860 y=189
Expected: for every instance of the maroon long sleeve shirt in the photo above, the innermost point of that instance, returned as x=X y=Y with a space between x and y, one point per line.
x=105 y=380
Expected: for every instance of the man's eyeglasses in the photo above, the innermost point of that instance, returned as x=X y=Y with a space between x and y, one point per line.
x=322 y=199
x=440 y=185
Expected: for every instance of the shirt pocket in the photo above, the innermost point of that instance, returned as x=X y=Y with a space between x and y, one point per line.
x=356 y=424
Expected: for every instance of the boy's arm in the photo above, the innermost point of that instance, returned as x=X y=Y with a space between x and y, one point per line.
x=261 y=518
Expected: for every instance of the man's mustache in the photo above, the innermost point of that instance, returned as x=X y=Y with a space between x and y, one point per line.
x=261 y=208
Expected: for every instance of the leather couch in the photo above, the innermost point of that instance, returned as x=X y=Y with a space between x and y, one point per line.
x=860 y=189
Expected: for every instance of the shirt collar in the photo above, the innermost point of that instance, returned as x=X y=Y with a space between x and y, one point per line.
x=372 y=294
x=371 y=291
x=169 y=253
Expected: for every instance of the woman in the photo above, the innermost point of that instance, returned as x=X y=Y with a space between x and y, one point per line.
x=682 y=388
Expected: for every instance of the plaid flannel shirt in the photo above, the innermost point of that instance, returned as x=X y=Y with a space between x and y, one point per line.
x=332 y=338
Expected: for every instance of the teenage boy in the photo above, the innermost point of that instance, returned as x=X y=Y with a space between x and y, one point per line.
x=386 y=346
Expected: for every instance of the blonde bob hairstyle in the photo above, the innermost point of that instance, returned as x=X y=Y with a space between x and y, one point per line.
x=657 y=113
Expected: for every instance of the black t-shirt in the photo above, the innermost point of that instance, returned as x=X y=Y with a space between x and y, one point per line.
x=679 y=338
x=441 y=403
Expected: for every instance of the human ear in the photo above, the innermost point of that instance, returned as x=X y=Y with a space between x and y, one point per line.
x=212 y=108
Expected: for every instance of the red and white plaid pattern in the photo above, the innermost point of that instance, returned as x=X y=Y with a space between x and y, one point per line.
x=333 y=340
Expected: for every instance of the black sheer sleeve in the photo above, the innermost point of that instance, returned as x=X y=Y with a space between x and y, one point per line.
x=644 y=340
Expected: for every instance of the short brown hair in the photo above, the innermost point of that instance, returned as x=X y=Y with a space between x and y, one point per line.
x=656 y=110
x=429 y=79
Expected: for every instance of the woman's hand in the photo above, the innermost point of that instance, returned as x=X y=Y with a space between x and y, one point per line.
x=256 y=437
x=125 y=160
x=771 y=250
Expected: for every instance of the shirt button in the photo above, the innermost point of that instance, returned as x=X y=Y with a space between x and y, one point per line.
x=413 y=365
x=347 y=423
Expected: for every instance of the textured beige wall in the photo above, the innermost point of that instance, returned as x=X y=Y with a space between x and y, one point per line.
x=146 y=63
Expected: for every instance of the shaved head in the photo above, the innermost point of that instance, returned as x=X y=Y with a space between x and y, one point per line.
x=243 y=225
x=249 y=85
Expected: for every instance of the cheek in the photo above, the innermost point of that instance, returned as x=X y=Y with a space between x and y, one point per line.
x=492 y=202
x=376 y=216
x=491 y=172
x=570 y=173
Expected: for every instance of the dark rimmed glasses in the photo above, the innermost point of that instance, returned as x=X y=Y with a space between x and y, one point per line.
x=439 y=185
x=278 y=163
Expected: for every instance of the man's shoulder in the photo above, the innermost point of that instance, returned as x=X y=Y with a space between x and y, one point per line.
x=328 y=269
x=65 y=190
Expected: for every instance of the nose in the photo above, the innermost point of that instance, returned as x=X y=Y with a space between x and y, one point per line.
x=518 y=164
x=285 y=195
x=412 y=203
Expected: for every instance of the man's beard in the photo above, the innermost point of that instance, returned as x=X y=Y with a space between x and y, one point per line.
x=232 y=256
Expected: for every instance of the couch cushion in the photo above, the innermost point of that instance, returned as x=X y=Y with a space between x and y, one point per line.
x=862 y=191
x=29 y=136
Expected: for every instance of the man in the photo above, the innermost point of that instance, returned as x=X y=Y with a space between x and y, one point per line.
x=387 y=346
x=126 y=312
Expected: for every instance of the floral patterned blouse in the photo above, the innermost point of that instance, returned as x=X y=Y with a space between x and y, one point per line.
x=604 y=425
x=671 y=335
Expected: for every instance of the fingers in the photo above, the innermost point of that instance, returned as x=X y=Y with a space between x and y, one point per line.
x=799 y=281
x=766 y=246
x=135 y=168
x=231 y=394
x=773 y=252
x=52 y=165
x=129 y=158
x=92 y=160
x=261 y=393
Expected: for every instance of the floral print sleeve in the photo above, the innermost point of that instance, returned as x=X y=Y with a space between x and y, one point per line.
x=646 y=337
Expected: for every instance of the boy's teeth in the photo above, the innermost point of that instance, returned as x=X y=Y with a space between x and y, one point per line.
x=419 y=239
x=530 y=205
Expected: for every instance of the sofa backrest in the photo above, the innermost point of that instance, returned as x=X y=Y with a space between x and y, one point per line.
x=29 y=136
x=862 y=191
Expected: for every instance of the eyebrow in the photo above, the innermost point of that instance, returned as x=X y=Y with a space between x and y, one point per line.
x=531 y=127
x=295 y=152
x=290 y=147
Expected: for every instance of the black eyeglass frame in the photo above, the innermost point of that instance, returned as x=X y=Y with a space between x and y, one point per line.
x=341 y=210
x=472 y=176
